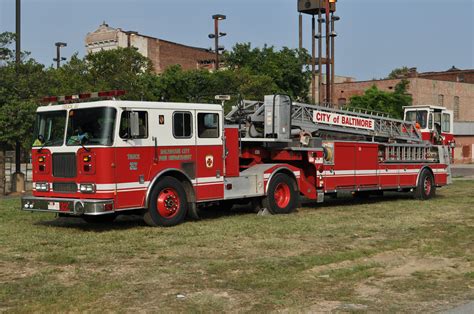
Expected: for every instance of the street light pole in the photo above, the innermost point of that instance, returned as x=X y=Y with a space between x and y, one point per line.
x=216 y=35
x=58 y=58
x=216 y=41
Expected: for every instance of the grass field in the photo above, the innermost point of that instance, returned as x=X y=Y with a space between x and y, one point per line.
x=387 y=254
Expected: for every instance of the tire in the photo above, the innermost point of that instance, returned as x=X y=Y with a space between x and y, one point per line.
x=168 y=205
x=426 y=187
x=282 y=195
x=101 y=219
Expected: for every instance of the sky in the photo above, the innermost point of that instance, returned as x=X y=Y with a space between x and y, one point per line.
x=374 y=36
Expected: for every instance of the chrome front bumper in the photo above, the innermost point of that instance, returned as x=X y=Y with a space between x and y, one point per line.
x=67 y=206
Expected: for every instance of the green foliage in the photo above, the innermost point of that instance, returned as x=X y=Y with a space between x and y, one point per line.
x=387 y=102
x=6 y=39
x=250 y=73
x=287 y=67
x=398 y=72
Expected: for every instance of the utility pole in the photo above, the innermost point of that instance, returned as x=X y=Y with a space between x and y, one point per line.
x=18 y=178
x=320 y=54
x=328 y=56
x=313 y=61
x=18 y=62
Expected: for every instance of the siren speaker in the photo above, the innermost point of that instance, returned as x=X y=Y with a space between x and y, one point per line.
x=313 y=6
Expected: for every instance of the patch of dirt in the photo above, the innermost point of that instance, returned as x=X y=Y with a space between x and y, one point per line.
x=10 y=271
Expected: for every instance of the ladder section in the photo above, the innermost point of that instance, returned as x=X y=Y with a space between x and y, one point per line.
x=410 y=153
x=269 y=119
x=356 y=121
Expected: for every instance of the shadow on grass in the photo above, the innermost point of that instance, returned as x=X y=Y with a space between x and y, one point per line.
x=123 y=222
x=347 y=200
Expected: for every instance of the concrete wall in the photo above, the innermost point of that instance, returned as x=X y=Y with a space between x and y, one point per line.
x=2 y=172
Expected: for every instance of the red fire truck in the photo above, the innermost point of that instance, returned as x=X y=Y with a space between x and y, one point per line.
x=99 y=159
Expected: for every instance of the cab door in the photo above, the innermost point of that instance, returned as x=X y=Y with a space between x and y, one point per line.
x=133 y=157
x=209 y=156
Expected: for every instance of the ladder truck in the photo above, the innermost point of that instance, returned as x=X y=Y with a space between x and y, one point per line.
x=100 y=159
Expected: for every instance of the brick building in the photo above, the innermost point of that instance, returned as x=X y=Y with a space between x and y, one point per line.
x=161 y=52
x=456 y=96
x=452 y=75
x=453 y=89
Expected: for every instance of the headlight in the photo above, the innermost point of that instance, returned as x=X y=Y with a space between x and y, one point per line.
x=87 y=188
x=42 y=186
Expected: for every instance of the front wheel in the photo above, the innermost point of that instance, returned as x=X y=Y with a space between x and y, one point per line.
x=282 y=195
x=168 y=205
x=426 y=187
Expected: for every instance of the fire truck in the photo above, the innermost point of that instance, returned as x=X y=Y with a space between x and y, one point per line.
x=99 y=159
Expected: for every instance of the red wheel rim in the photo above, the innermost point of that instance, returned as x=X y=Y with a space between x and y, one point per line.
x=427 y=186
x=168 y=203
x=282 y=195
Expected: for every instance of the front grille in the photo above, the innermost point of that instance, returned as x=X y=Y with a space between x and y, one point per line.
x=64 y=165
x=65 y=187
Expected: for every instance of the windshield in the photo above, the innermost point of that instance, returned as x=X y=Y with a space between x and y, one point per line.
x=50 y=125
x=91 y=126
x=419 y=116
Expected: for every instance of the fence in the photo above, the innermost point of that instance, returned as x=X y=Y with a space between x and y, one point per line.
x=7 y=168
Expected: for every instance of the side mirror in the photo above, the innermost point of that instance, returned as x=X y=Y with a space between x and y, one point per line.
x=134 y=124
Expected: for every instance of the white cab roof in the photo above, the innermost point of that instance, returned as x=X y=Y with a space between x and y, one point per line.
x=128 y=104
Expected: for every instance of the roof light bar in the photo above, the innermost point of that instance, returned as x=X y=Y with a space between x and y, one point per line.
x=84 y=96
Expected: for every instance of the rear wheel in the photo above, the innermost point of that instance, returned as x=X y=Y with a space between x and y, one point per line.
x=426 y=187
x=168 y=205
x=282 y=195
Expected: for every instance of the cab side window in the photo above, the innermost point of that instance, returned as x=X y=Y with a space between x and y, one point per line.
x=446 y=127
x=208 y=125
x=182 y=125
x=124 y=130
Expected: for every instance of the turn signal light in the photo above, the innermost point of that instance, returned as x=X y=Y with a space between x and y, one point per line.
x=87 y=158
x=41 y=159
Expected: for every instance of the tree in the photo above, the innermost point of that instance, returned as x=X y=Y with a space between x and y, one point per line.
x=119 y=68
x=6 y=40
x=20 y=88
x=287 y=68
x=391 y=103
x=398 y=73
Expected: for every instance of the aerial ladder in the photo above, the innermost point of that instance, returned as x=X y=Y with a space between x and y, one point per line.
x=278 y=120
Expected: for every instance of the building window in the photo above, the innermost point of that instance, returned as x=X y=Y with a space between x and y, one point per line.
x=182 y=125
x=441 y=100
x=125 y=131
x=208 y=125
x=342 y=102
x=461 y=78
x=456 y=108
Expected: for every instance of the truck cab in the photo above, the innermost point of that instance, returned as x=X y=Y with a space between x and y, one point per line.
x=435 y=123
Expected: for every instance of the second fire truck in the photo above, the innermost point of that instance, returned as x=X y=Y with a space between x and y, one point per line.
x=99 y=159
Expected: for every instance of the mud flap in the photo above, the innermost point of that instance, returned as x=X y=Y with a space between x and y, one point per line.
x=193 y=211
